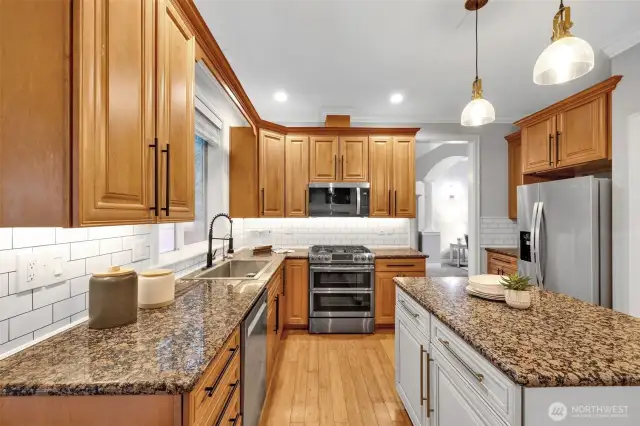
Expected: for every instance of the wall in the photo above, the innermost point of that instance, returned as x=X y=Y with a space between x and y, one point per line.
x=626 y=175
x=306 y=232
x=31 y=314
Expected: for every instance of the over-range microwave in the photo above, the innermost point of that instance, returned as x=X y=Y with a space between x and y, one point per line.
x=339 y=199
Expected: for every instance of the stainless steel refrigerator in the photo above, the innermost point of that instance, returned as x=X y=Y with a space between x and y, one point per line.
x=565 y=237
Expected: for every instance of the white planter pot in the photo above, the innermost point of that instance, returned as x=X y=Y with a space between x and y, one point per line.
x=518 y=299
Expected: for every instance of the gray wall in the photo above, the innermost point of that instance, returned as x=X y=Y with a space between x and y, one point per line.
x=626 y=102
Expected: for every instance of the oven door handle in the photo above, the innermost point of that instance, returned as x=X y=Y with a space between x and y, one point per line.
x=341 y=269
x=341 y=291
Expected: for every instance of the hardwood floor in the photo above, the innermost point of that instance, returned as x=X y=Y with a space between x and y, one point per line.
x=334 y=380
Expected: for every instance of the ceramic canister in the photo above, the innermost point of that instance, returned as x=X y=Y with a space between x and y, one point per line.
x=156 y=288
x=113 y=298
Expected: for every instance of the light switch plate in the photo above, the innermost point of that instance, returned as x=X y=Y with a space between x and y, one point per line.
x=140 y=250
x=39 y=270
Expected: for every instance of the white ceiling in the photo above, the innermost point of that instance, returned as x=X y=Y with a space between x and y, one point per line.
x=348 y=56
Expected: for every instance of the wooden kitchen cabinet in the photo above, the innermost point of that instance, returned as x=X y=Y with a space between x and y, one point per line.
x=537 y=146
x=296 y=285
x=272 y=165
x=514 y=148
x=581 y=133
x=354 y=159
x=244 y=194
x=500 y=264
x=323 y=158
x=381 y=175
x=386 y=271
x=108 y=102
x=404 y=177
x=275 y=325
x=296 y=175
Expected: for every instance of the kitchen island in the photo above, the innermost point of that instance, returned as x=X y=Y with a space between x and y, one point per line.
x=560 y=358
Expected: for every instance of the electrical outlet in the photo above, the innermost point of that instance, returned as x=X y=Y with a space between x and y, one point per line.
x=31 y=270
x=27 y=276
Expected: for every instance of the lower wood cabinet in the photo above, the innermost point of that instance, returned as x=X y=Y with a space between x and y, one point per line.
x=385 y=291
x=500 y=264
x=275 y=320
x=296 y=289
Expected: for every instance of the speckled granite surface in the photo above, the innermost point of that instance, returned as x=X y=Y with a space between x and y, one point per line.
x=507 y=251
x=398 y=252
x=166 y=351
x=559 y=341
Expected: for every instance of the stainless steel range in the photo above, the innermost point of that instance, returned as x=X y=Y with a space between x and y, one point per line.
x=341 y=283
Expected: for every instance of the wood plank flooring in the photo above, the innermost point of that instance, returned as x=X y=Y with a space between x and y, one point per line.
x=334 y=380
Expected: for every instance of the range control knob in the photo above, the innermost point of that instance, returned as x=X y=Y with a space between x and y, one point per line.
x=358 y=258
x=326 y=258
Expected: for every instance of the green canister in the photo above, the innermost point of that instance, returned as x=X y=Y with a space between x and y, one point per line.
x=113 y=298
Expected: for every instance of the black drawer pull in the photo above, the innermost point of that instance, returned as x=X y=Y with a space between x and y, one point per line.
x=211 y=389
x=233 y=385
x=235 y=419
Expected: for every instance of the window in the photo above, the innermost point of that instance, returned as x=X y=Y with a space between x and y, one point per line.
x=196 y=231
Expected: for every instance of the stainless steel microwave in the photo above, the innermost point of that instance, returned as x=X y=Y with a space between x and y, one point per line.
x=339 y=199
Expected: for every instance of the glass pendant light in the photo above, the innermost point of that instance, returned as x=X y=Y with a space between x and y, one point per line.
x=567 y=57
x=479 y=111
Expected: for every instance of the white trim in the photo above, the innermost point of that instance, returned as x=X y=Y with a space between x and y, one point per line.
x=623 y=43
x=42 y=338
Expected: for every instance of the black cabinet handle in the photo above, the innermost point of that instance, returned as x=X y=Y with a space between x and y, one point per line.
x=395 y=202
x=212 y=388
x=550 y=143
x=335 y=165
x=277 y=314
x=389 y=202
x=558 y=134
x=168 y=185
x=262 y=192
x=233 y=385
x=306 y=203
x=342 y=167
x=235 y=419
x=156 y=195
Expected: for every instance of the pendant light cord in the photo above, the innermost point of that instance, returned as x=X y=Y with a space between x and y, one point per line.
x=477 y=39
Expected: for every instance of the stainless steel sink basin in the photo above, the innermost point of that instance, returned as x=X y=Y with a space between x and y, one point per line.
x=232 y=270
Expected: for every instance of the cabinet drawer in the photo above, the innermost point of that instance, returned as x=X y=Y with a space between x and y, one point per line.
x=222 y=395
x=502 y=260
x=201 y=398
x=412 y=310
x=230 y=414
x=404 y=265
x=496 y=389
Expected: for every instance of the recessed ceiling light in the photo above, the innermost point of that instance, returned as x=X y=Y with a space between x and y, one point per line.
x=396 y=98
x=280 y=96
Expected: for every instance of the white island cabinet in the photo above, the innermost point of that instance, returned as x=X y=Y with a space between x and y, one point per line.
x=443 y=381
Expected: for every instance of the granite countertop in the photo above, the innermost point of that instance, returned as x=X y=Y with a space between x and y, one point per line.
x=559 y=341
x=166 y=351
x=507 y=251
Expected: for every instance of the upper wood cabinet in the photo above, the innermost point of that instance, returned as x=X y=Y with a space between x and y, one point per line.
x=323 y=158
x=176 y=132
x=572 y=132
x=296 y=175
x=113 y=107
x=515 y=172
x=354 y=159
x=381 y=175
x=244 y=196
x=404 y=177
x=272 y=170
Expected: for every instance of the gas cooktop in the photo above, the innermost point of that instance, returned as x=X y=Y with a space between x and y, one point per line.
x=341 y=255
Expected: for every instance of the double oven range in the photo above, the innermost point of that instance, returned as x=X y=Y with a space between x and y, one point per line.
x=341 y=289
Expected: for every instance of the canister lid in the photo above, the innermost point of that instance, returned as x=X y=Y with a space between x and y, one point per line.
x=156 y=273
x=114 y=271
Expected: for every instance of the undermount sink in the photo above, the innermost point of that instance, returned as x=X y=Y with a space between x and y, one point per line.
x=233 y=270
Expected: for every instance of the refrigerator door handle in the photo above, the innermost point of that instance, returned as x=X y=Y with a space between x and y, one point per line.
x=532 y=238
x=539 y=274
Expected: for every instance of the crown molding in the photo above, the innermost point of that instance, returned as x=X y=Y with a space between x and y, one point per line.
x=624 y=43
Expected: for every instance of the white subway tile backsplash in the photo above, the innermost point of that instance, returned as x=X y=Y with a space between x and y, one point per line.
x=80 y=285
x=68 y=307
x=55 y=250
x=110 y=232
x=6 y=235
x=51 y=327
x=80 y=315
x=110 y=245
x=141 y=229
x=98 y=263
x=498 y=232
x=15 y=343
x=30 y=321
x=31 y=237
x=71 y=235
x=4 y=285
x=47 y=295
x=13 y=282
x=75 y=268
x=9 y=259
x=4 y=331
x=85 y=249
x=121 y=258
x=15 y=304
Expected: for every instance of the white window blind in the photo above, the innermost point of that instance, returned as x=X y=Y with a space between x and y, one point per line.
x=208 y=125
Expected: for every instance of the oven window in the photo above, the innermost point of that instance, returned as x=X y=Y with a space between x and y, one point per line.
x=341 y=280
x=341 y=302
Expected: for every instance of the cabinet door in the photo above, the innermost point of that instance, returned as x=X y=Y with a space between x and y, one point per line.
x=411 y=383
x=297 y=293
x=116 y=110
x=354 y=158
x=404 y=177
x=271 y=341
x=176 y=134
x=385 y=298
x=297 y=175
x=537 y=146
x=381 y=169
x=515 y=176
x=582 y=134
x=271 y=174
x=323 y=158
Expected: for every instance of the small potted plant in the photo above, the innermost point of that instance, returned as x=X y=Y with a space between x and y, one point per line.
x=516 y=292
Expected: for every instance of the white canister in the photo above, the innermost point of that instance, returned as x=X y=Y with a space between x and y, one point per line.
x=156 y=288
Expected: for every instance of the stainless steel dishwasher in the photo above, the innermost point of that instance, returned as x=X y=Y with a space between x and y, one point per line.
x=254 y=362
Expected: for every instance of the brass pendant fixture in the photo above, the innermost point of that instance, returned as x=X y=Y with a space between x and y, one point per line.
x=567 y=57
x=479 y=111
